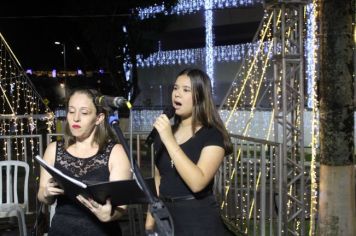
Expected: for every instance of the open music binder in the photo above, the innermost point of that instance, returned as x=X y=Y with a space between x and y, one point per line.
x=121 y=192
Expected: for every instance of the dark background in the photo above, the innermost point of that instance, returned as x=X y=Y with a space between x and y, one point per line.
x=31 y=28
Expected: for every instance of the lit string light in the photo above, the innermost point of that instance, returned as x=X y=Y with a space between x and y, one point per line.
x=253 y=106
x=293 y=137
x=228 y=53
x=311 y=57
x=191 y=6
x=195 y=7
x=262 y=53
x=127 y=64
x=209 y=41
x=298 y=124
x=252 y=60
x=257 y=91
x=311 y=48
x=20 y=102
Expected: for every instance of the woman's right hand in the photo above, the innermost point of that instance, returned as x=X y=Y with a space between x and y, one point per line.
x=163 y=126
x=52 y=189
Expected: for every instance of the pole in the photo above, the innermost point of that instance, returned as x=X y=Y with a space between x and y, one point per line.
x=160 y=213
x=64 y=57
x=64 y=69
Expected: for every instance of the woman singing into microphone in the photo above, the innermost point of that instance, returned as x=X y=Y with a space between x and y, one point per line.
x=190 y=154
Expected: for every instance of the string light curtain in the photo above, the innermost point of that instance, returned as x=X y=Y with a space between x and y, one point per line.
x=21 y=107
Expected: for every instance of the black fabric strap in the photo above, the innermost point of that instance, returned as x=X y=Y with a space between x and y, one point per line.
x=186 y=197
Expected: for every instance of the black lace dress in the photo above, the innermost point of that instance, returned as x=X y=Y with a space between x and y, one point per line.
x=71 y=218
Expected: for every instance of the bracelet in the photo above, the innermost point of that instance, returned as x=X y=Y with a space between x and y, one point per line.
x=172 y=162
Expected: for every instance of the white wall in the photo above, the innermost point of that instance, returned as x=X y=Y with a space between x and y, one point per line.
x=155 y=83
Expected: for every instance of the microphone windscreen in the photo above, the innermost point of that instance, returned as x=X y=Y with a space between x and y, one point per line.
x=169 y=111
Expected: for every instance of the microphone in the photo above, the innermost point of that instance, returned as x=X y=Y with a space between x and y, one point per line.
x=108 y=101
x=169 y=112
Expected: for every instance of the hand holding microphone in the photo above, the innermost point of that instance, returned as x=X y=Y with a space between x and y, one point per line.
x=169 y=112
x=117 y=102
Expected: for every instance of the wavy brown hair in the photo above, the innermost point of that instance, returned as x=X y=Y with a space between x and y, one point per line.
x=103 y=133
x=204 y=111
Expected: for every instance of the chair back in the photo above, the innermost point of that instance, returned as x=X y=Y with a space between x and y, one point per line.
x=16 y=174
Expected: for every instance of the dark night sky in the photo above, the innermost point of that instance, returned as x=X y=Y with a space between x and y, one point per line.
x=32 y=27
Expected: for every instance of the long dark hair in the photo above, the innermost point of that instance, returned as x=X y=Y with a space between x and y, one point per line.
x=204 y=111
x=103 y=133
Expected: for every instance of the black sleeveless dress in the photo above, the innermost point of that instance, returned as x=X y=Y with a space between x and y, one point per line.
x=72 y=218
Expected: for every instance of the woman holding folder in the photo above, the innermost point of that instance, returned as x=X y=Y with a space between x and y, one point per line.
x=188 y=154
x=88 y=154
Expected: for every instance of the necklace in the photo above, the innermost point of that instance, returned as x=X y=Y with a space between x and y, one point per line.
x=172 y=164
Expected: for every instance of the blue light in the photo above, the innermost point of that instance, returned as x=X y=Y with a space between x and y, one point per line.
x=54 y=73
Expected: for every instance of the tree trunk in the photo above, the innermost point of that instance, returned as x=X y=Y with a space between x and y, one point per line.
x=337 y=183
x=337 y=199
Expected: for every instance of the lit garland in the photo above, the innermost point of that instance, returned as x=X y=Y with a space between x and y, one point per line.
x=191 y=6
x=127 y=65
x=222 y=54
x=20 y=103
x=229 y=53
x=311 y=57
x=246 y=82
x=311 y=47
x=237 y=96
x=284 y=98
x=209 y=41
x=255 y=75
x=250 y=78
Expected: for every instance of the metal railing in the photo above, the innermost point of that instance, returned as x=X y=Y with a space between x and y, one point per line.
x=248 y=188
x=20 y=147
x=24 y=148
x=248 y=185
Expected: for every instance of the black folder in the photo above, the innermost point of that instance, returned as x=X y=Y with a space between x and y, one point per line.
x=121 y=192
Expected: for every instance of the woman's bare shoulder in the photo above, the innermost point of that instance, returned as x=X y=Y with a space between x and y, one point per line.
x=50 y=153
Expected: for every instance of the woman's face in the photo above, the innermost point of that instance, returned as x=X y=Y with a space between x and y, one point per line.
x=81 y=117
x=182 y=98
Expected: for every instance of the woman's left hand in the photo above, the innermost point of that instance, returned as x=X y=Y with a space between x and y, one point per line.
x=102 y=212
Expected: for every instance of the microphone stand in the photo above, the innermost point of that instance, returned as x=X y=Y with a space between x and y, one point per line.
x=163 y=219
